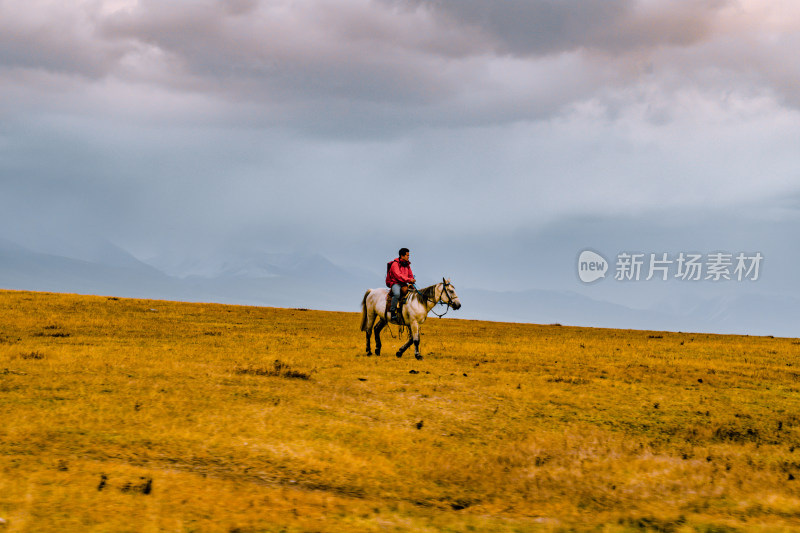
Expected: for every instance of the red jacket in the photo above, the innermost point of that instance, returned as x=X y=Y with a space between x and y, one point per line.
x=398 y=272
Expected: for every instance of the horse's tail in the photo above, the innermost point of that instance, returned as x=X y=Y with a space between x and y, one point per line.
x=364 y=310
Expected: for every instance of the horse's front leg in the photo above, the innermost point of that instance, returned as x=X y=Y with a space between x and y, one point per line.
x=415 y=338
x=378 y=327
x=404 y=347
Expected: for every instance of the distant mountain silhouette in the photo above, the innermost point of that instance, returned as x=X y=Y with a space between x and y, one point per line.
x=23 y=269
x=751 y=314
x=312 y=281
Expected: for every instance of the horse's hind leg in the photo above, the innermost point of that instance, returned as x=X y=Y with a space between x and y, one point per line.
x=378 y=328
x=370 y=321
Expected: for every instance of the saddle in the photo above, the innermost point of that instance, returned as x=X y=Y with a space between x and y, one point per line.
x=400 y=302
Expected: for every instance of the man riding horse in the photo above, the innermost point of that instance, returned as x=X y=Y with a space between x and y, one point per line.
x=414 y=311
x=398 y=277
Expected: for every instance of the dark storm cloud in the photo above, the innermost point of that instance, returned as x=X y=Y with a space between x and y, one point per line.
x=269 y=52
x=538 y=27
x=392 y=50
x=385 y=67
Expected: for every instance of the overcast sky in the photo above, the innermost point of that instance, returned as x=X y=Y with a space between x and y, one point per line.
x=489 y=137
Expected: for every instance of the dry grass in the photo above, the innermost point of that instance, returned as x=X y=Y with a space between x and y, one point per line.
x=133 y=415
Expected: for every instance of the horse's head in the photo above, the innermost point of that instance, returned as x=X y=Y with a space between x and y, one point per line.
x=449 y=295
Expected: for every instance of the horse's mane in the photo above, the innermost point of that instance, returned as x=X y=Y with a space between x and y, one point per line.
x=429 y=293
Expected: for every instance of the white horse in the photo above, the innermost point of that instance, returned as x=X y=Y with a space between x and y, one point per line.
x=415 y=311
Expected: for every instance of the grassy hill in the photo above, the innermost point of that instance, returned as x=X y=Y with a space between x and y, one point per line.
x=141 y=415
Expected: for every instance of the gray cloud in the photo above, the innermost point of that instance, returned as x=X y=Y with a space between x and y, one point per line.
x=539 y=27
x=388 y=67
x=58 y=37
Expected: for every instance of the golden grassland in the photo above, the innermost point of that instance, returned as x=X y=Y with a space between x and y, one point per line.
x=139 y=415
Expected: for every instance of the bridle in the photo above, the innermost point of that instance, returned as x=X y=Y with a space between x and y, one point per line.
x=446 y=292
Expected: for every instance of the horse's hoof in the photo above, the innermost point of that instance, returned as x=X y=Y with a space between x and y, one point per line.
x=418 y=356
x=399 y=354
x=377 y=352
x=369 y=353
